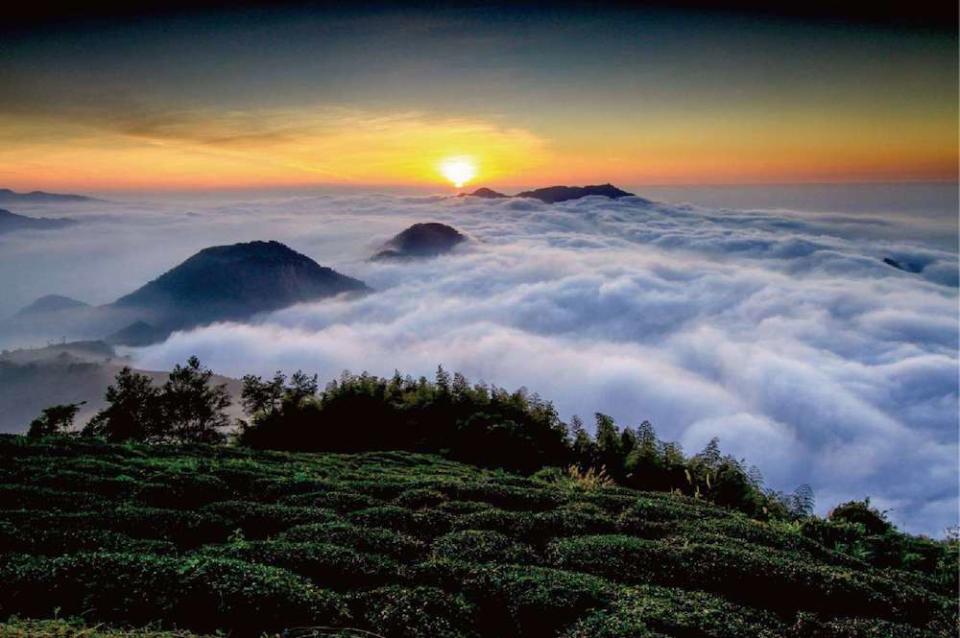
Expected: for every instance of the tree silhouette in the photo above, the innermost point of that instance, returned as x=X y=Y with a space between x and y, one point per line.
x=193 y=408
x=133 y=411
x=57 y=419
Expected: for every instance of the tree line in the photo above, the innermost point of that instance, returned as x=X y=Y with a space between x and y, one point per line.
x=475 y=423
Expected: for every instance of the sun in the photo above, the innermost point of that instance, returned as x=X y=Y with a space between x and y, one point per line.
x=458 y=170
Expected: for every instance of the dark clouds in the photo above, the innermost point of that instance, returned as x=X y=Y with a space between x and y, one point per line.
x=782 y=333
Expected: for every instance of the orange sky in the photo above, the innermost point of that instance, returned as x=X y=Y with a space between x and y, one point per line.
x=632 y=99
x=317 y=146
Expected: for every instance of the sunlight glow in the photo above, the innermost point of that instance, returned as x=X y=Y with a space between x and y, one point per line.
x=458 y=170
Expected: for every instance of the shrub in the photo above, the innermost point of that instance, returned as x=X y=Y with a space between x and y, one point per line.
x=653 y=612
x=337 y=501
x=54 y=541
x=530 y=601
x=570 y=522
x=182 y=490
x=417 y=612
x=45 y=498
x=326 y=565
x=809 y=626
x=426 y=523
x=181 y=527
x=420 y=498
x=517 y=601
x=508 y=497
x=250 y=599
x=364 y=539
x=755 y=578
x=482 y=546
x=458 y=508
x=283 y=488
x=645 y=510
x=260 y=520
x=113 y=484
x=115 y=587
x=860 y=513
x=200 y=594
x=515 y=524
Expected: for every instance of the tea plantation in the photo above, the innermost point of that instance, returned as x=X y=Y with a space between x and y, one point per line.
x=157 y=541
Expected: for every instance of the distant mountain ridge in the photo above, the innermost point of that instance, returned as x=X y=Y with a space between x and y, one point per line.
x=10 y=222
x=555 y=194
x=8 y=196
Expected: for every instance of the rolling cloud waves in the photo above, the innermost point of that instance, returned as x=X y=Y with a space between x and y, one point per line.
x=782 y=333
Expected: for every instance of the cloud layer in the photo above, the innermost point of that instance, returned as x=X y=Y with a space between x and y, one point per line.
x=782 y=333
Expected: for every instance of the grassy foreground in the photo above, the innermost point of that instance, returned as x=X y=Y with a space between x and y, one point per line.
x=225 y=540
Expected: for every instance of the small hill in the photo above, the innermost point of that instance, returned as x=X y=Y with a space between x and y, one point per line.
x=485 y=193
x=8 y=196
x=554 y=194
x=234 y=282
x=10 y=222
x=50 y=303
x=409 y=545
x=421 y=240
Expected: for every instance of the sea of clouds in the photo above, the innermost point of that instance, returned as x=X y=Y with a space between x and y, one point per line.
x=782 y=333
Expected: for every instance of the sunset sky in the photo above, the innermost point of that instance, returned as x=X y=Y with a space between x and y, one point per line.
x=310 y=96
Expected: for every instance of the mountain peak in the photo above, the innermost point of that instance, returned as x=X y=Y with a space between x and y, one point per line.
x=421 y=240
x=50 y=303
x=233 y=282
x=555 y=194
x=485 y=193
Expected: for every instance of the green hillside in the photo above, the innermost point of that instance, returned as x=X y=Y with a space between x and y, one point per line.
x=214 y=539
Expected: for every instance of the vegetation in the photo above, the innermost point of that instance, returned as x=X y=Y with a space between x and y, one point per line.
x=187 y=408
x=412 y=508
x=156 y=540
x=492 y=427
x=57 y=419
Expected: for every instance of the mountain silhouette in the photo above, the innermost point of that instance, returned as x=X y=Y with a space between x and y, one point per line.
x=554 y=194
x=421 y=240
x=231 y=283
x=8 y=196
x=50 y=303
x=10 y=222
x=485 y=193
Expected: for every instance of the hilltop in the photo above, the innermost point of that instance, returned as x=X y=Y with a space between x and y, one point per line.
x=219 y=283
x=235 y=282
x=50 y=303
x=421 y=240
x=555 y=194
x=414 y=545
